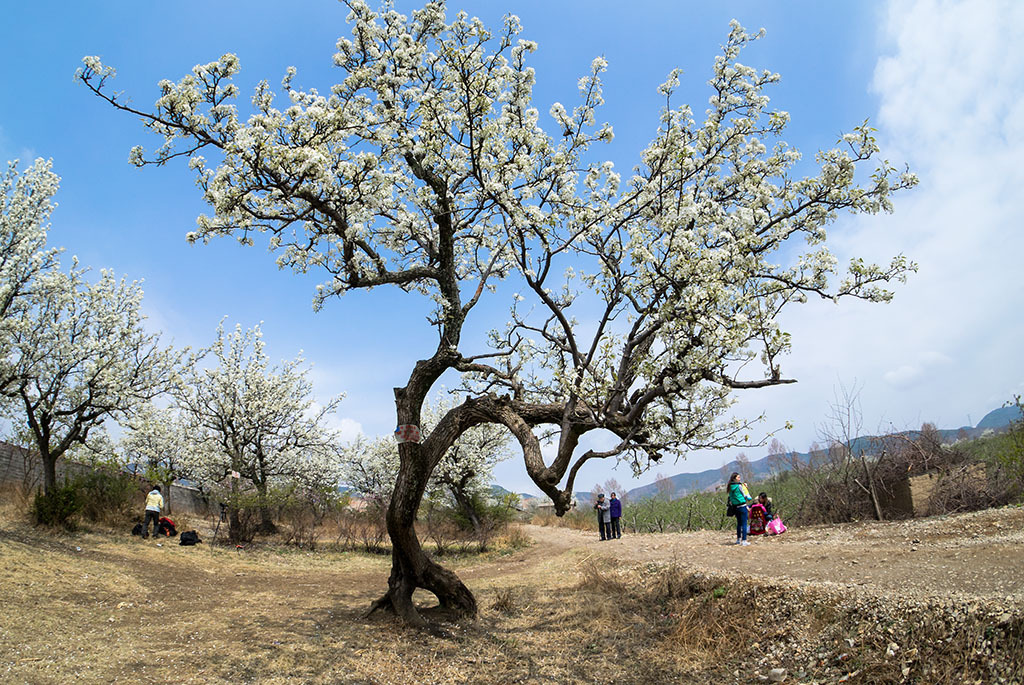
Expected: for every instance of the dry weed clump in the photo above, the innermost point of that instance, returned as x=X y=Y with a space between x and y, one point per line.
x=739 y=627
x=15 y=500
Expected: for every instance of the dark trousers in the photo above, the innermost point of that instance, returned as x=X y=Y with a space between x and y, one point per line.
x=151 y=516
x=614 y=531
x=604 y=527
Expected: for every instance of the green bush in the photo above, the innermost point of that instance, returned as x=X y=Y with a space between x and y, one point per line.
x=106 y=493
x=58 y=507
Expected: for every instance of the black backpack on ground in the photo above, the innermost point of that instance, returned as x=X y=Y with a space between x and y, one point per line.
x=137 y=530
x=189 y=537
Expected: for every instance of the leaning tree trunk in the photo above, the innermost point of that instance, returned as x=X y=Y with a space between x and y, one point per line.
x=410 y=566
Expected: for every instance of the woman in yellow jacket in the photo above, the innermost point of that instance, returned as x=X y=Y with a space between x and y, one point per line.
x=154 y=503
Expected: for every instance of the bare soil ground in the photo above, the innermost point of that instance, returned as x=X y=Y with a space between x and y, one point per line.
x=975 y=555
x=825 y=603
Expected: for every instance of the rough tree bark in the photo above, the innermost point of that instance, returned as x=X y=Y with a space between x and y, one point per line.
x=411 y=568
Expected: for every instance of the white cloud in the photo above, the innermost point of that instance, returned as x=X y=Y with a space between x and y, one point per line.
x=24 y=155
x=908 y=375
x=950 y=83
x=349 y=429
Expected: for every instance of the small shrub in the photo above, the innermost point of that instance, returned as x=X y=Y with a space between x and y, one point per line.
x=58 y=507
x=106 y=493
x=515 y=537
x=504 y=602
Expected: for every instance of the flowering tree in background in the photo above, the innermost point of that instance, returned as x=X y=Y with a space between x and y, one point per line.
x=465 y=472
x=25 y=208
x=254 y=419
x=427 y=168
x=80 y=355
x=370 y=467
x=157 y=441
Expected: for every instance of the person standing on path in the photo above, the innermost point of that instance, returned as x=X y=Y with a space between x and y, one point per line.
x=615 y=511
x=739 y=498
x=154 y=503
x=604 y=517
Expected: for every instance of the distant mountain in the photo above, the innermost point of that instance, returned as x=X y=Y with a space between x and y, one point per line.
x=684 y=483
x=498 y=491
x=1000 y=418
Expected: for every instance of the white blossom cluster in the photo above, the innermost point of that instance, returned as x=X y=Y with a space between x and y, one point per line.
x=158 y=442
x=25 y=208
x=242 y=414
x=427 y=167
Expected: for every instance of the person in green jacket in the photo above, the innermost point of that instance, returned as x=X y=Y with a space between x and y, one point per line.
x=739 y=498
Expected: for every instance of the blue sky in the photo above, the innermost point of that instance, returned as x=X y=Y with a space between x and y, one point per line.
x=942 y=81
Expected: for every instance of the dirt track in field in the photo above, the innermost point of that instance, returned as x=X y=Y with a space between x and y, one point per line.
x=980 y=554
x=97 y=607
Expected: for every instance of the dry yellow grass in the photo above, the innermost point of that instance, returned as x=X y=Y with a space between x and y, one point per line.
x=101 y=606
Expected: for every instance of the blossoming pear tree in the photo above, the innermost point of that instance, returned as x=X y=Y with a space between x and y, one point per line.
x=81 y=355
x=25 y=208
x=157 y=442
x=255 y=419
x=426 y=167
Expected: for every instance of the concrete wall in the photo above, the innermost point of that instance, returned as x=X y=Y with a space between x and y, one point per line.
x=21 y=468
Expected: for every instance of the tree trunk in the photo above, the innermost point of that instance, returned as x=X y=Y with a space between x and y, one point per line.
x=234 y=526
x=465 y=503
x=871 y=489
x=49 y=473
x=266 y=526
x=411 y=568
x=234 y=520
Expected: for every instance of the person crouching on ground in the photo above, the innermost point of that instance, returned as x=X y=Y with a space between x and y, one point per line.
x=154 y=503
x=604 y=518
x=615 y=511
x=739 y=498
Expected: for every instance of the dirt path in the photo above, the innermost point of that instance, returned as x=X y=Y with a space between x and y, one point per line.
x=979 y=555
x=98 y=608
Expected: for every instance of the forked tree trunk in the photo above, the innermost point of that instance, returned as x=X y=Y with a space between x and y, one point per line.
x=410 y=566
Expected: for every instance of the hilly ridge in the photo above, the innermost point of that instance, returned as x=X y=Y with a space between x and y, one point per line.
x=684 y=483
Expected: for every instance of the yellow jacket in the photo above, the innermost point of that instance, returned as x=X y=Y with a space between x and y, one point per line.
x=154 y=501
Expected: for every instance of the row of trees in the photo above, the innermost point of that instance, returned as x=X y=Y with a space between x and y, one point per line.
x=75 y=353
